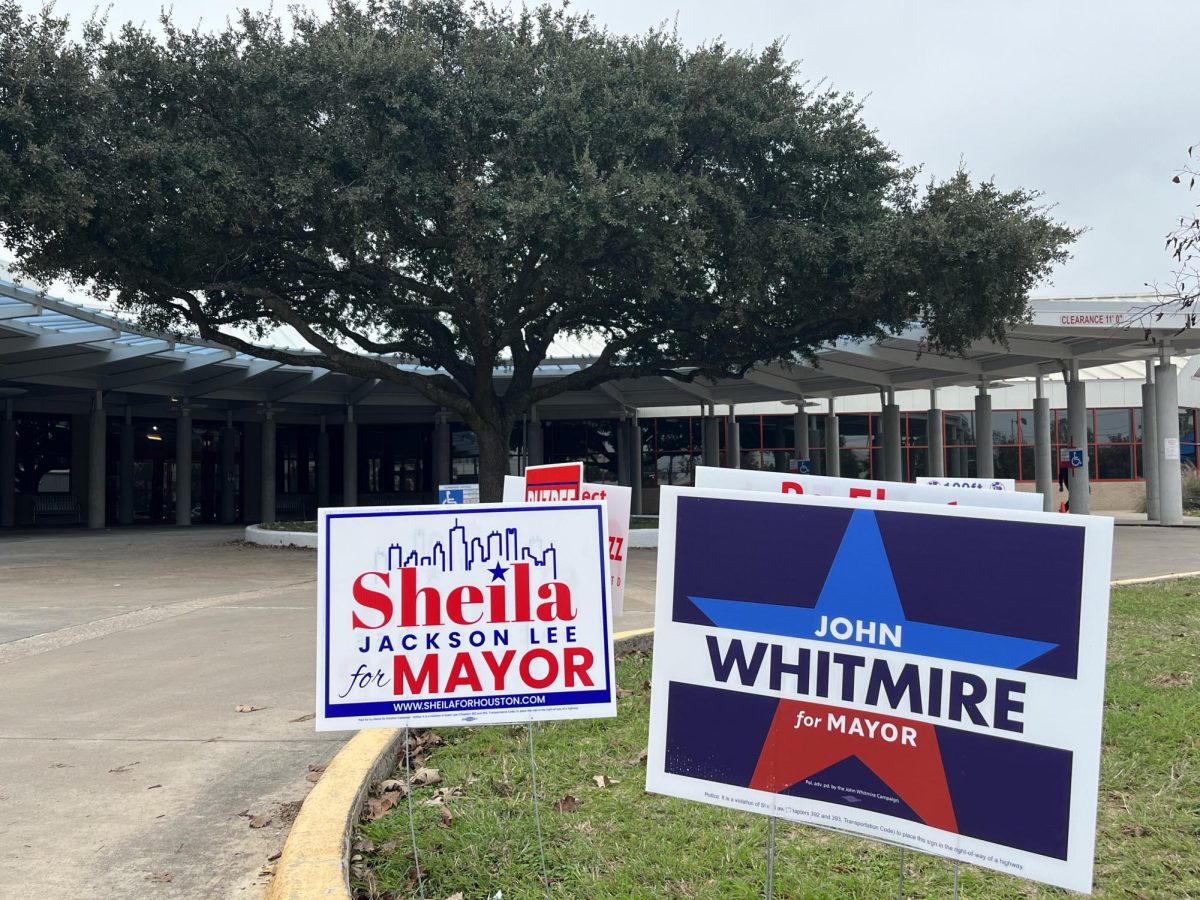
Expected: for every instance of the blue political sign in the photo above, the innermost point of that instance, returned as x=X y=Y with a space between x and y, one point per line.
x=853 y=688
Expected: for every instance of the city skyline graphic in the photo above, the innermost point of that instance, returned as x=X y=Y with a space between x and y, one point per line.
x=461 y=551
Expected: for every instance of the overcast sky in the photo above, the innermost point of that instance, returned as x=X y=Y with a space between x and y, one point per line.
x=1088 y=102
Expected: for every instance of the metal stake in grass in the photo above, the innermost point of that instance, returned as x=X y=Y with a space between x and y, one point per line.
x=537 y=816
x=771 y=858
x=956 y=879
x=412 y=826
x=900 y=890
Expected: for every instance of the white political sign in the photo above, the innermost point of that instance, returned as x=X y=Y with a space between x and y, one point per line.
x=454 y=615
x=979 y=484
x=619 y=500
x=861 y=488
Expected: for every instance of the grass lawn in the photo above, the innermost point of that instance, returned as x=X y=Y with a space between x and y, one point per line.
x=476 y=833
x=311 y=527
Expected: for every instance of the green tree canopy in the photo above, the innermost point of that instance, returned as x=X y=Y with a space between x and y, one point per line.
x=459 y=185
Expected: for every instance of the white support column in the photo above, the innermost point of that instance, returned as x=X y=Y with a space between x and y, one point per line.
x=833 y=442
x=350 y=459
x=1077 y=422
x=800 y=428
x=125 y=471
x=536 y=452
x=228 y=474
x=323 y=465
x=8 y=467
x=935 y=437
x=734 y=442
x=267 y=468
x=1150 y=444
x=1043 y=464
x=985 y=460
x=635 y=464
x=893 y=469
x=712 y=439
x=1170 y=485
x=97 y=463
x=183 y=467
x=441 y=447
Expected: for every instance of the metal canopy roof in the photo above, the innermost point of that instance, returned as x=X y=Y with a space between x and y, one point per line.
x=57 y=354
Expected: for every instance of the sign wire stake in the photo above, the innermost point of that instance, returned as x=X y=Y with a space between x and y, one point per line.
x=537 y=816
x=412 y=825
x=956 y=880
x=900 y=890
x=771 y=858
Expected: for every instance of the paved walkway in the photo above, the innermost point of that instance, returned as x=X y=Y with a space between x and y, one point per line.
x=123 y=655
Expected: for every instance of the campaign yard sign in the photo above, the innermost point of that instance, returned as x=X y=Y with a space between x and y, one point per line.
x=477 y=614
x=861 y=488
x=554 y=482
x=877 y=670
x=619 y=500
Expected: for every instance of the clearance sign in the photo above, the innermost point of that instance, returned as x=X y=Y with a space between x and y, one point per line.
x=443 y=615
x=864 y=668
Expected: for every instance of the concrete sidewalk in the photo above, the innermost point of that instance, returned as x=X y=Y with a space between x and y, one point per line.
x=123 y=655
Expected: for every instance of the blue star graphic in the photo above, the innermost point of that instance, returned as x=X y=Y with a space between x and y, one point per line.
x=498 y=572
x=860 y=586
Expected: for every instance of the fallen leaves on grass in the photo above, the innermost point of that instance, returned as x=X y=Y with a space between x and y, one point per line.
x=393 y=785
x=247 y=708
x=378 y=807
x=424 y=777
x=603 y=781
x=567 y=804
x=1174 y=679
x=447 y=817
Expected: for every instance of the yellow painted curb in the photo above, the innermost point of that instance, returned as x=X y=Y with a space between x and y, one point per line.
x=314 y=858
x=1123 y=581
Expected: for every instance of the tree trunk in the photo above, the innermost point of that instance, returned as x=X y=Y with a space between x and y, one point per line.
x=493 y=460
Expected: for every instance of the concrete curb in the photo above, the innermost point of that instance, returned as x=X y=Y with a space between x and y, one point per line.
x=315 y=861
x=643 y=538
x=256 y=534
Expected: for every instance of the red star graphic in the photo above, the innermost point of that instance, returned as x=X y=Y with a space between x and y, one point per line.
x=915 y=773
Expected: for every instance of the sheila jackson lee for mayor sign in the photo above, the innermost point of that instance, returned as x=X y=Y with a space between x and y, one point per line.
x=927 y=675
x=450 y=615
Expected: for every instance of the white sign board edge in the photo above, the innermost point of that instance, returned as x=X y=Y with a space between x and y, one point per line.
x=598 y=637
x=619 y=500
x=1076 y=873
x=828 y=486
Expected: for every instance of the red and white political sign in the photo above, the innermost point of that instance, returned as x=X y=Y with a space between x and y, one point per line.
x=554 y=483
x=453 y=615
x=862 y=489
x=619 y=500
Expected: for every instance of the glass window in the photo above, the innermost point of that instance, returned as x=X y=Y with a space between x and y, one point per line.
x=856 y=463
x=1114 y=461
x=750 y=432
x=1004 y=428
x=43 y=454
x=1006 y=462
x=1113 y=425
x=918 y=462
x=779 y=433
x=1137 y=422
x=960 y=430
x=855 y=432
x=918 y=430
x=1187 y=425
x=1028 y=469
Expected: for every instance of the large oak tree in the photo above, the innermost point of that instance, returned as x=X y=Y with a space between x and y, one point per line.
x=460 y=185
